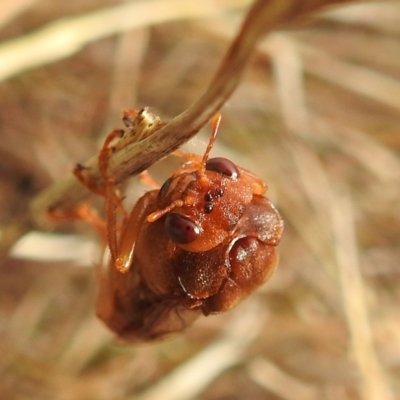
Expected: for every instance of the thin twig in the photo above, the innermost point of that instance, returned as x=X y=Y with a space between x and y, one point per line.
x=263 y=17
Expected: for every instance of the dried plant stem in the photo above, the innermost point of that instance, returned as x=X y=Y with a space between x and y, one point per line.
x=263 y=17
x=373 y=381
x=64 y=37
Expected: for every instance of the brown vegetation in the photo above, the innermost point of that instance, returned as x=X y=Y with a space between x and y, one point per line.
x=315 y=114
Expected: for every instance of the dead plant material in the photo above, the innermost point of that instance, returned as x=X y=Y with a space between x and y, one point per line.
x=262 y=18
x=315 y=115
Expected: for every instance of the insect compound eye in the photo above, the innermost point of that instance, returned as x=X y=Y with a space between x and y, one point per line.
x=223 y=166
x=180 y=229
x=164 y=188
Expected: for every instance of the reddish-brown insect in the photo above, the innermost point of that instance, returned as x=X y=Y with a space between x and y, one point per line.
x=198 y=245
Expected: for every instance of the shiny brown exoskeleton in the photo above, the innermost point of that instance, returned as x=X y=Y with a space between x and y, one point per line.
x=198 y=245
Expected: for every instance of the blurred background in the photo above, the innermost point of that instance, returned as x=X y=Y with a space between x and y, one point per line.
x=316 y=116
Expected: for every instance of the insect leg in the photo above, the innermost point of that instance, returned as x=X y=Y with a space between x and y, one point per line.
x=147 y=179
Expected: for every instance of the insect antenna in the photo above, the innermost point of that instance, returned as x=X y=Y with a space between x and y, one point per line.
x=154 y=216
x=215 y=125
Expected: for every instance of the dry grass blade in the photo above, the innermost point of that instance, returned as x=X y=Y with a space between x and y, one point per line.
x=262 y=18
x=63 y=38
x=326 y=326
x=371 y=14
x=191 y=378
x=373 y=384
x=268 y=375
x=355 y=78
